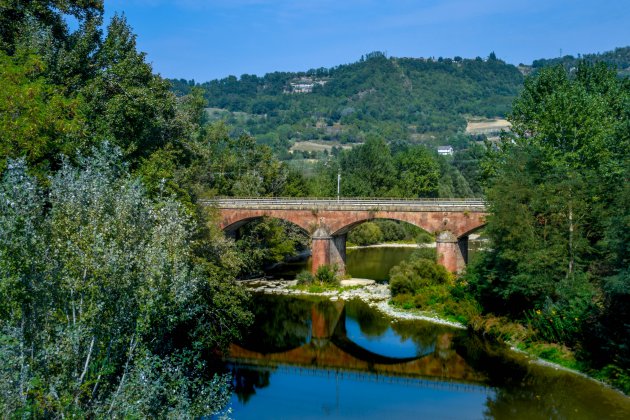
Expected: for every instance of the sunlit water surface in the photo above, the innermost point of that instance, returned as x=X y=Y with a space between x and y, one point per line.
x=312 y=358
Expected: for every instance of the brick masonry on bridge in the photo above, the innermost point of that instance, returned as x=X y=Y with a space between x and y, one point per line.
x=328 y=227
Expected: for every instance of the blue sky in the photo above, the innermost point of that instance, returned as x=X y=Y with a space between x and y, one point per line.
x=215 y=38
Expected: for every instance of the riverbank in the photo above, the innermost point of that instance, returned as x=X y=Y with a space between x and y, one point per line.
x=378 y=296
x=374 y=294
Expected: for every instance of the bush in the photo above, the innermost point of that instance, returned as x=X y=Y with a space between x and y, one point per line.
x=423 y=284
x=401 y=286
x=326 y=274
x=424 y=253
x=424 y=238
x=367 y=233
x=411 y=276
x=305 y=277
x=392 y=231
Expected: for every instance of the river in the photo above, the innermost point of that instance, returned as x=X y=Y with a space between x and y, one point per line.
x=312 y=358
x=368 y=263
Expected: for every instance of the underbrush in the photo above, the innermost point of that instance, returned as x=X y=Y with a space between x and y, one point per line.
x=421 y=283
x=549 y=334
x=438 y=300
x=326 y=275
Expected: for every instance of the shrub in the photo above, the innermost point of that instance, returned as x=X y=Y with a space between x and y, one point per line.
x=411 y=276
x=392 y=231
x=326 y=274
x=424 y=238
x=305 y=277
x=367 y=233
x=401 y=285
x=424 y=253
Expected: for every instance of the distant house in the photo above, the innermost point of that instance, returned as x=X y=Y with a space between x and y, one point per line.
x=305 y=85
x=445 y=150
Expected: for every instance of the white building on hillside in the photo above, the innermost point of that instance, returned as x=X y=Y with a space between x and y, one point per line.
x=445 y=150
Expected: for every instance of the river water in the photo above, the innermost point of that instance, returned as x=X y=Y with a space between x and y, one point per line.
x=366 y=263
x=311 y=358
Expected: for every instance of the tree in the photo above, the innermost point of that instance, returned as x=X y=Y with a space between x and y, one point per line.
x=37 y=121
x=102 y=289
x=368 y=170
x=418 y=173
x=17 y=17
x=554 y=188
x=125 y=102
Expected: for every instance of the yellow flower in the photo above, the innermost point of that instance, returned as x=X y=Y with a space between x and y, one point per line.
x=538 y=311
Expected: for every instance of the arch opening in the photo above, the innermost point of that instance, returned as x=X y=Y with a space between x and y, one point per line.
x=265 y=242
x=387 y=230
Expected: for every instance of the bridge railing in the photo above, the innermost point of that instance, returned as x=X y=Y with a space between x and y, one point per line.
x=345 y=201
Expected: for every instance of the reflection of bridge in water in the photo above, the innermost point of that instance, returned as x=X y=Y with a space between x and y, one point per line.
x=329 y=352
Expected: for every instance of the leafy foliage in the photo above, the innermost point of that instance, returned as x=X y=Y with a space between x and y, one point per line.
x=37 y=121
x=419 y=282
x=86 y=286
x=327 y=275
x=556 y=189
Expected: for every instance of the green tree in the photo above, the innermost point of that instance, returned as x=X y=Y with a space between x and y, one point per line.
x=418 y=173
x=367 y=233
x=101 y=288
x=125 y=102
x=18 y=17
x=36 y=120
x=368 y=170
x=554 y=189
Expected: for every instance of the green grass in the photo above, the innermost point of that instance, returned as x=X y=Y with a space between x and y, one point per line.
x=552 y=352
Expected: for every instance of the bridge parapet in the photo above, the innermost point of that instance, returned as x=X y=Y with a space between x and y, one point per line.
x=352 y=204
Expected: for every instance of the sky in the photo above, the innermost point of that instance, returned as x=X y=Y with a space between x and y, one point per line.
x=209 y=39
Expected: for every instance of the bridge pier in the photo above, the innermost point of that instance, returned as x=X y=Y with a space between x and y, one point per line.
x=452 y=252
x=328 y=249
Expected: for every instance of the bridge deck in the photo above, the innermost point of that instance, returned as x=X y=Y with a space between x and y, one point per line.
x=384 y=204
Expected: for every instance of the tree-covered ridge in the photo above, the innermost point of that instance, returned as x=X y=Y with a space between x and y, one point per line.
x=619 y=58
x=400 y=98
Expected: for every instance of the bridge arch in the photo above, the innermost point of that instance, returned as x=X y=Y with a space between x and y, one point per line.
x=237 y=220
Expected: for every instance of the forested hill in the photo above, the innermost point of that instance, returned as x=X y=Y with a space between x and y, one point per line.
x=399 y=98
x=395 y=98
x=619 y=58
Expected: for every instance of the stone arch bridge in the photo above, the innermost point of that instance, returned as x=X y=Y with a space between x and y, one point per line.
x=328 y=221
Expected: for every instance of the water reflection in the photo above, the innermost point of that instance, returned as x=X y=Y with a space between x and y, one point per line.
x=308 y=358
x=351 y=336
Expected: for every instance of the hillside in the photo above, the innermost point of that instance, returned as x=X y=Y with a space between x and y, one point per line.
x=414 y=99
x=618 y=58
x=398 y=98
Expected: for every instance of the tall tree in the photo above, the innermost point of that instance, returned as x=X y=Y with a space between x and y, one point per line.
x=555 y=191
x=127 y=103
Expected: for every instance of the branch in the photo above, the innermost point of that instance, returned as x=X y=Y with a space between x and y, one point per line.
x=132 y=346
x=85 y=368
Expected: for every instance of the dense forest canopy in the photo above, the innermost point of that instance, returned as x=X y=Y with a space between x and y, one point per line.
x=619 y=58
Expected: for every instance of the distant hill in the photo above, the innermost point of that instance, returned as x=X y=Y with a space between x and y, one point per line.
x=619 y=58
x=416 y=99
x=399 y=98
